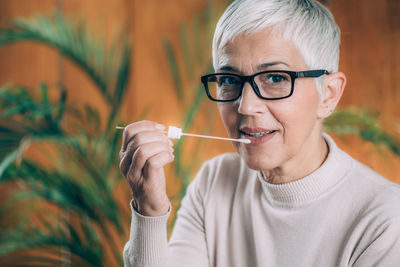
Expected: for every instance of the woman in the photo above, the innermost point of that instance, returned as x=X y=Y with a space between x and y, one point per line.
x=289 y=198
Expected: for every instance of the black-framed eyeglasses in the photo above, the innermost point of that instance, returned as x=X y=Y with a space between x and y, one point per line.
x=268 y=85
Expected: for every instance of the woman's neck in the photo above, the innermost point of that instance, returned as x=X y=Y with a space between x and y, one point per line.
x=311 y=158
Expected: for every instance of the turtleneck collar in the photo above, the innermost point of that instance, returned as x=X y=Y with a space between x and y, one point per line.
x=309 y=188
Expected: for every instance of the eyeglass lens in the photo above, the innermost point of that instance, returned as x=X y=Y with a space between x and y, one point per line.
x=270 y=85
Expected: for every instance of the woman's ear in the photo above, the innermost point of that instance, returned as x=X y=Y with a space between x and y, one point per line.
x=332 y=91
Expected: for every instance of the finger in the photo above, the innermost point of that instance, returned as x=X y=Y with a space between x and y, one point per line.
x=159 y=140
x=138 y=174
x=138 y=157
x=156 y=162
x=136 y=127
x=152 y=182
x=142 y=138
x=144 y=153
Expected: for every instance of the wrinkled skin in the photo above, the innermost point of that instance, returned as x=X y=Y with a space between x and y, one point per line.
x=296 y=148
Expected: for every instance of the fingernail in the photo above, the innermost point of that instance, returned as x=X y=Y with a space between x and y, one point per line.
x=160 y=126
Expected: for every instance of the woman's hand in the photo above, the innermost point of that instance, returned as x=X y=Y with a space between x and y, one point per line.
x=145 y=151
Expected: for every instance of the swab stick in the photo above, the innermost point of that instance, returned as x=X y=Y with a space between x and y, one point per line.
x=176 y=133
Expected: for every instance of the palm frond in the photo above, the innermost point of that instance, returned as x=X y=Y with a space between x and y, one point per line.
x=174 y=68
x=23 y=119
x=79 y=181
x=77 y=44
x=55 y=237
x=90 y=197
x=18 y=101
x=362 y=123
x=186 y=51
x=11 y=135
x=122 y=79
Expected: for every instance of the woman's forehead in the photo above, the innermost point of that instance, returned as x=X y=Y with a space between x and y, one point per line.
x=259 y=50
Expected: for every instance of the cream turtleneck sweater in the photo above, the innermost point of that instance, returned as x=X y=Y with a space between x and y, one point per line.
x=342 y=214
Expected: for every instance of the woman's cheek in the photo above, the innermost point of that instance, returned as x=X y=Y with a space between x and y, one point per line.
x=229 y=118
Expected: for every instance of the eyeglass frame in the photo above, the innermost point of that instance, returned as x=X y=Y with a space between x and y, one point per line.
x=250 y=78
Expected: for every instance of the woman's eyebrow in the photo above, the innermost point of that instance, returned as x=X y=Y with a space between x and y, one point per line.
x=259 y=67
x=228 y=68
x=270 y=64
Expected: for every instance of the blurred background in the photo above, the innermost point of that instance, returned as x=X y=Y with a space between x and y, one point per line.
x=71 y=70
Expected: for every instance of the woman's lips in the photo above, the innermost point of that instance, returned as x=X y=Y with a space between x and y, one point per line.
x=257 y=135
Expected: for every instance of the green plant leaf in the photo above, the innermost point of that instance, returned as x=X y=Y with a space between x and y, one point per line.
x=74 y=42
x=81 y=181
x=57 y=233
x=362 y=123
x=174 y=68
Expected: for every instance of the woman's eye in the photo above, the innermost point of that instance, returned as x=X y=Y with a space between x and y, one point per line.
x=276 y=78
x=228 y=80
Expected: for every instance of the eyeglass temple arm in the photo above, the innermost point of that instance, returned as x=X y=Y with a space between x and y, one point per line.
x=311 y=73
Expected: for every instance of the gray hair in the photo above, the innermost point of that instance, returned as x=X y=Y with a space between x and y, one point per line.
x=307 y=23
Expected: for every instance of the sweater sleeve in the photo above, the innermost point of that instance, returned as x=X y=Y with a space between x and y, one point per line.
x=384 y=250
x=187 y=245
x=148 y=247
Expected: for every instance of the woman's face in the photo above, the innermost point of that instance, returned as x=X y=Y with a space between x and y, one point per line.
x=286 y=133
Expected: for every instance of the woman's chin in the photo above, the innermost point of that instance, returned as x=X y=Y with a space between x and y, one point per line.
x=260 y=163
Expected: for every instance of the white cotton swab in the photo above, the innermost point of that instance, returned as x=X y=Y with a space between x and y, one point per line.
x=176 y=133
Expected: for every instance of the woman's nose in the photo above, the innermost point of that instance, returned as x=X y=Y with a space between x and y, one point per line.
x=250 y=103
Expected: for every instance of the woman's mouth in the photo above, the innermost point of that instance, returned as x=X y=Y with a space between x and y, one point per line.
x=257 y=135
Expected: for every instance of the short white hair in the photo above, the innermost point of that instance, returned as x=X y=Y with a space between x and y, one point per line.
x=307 y=23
